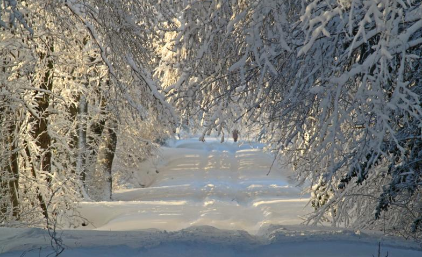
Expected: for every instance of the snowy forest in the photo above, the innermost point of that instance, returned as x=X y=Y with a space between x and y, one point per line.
x=89 y=89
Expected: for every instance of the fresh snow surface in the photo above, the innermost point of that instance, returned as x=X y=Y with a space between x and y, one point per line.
x=205 y=199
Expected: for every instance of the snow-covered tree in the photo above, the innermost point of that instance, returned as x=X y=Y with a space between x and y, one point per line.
x=68 y=86
x=362 y=134
x=210 y=56
x=124 y=34
x=334 y=86
x=38 y=143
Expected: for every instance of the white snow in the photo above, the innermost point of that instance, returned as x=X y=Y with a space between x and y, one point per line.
x=224 y=185
x=205 y=199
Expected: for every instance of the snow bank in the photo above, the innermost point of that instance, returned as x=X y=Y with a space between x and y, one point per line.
x=286 y=241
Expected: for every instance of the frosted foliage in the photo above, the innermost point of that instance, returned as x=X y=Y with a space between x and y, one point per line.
x=66 y=84
x=11 y=17
x=133 y=151
x=362 y=137
x=44 y=186
x=208 y=49
x=333 y=85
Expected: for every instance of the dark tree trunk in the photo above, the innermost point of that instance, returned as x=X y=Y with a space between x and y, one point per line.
x=13 y=170
x=9 y=176
x=79 y=142
x=40 y=197
x=105 y=157
x=40 y=130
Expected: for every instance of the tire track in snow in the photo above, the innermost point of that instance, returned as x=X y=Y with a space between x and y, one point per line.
x=221 y=185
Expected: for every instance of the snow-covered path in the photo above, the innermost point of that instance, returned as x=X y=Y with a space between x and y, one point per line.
x=221 y=185
x=205 y=199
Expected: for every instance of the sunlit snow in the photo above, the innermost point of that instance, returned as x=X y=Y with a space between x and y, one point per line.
x=205 y=199
x=222 y=185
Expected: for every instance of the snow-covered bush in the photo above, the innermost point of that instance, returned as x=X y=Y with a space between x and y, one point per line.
x=363 y=134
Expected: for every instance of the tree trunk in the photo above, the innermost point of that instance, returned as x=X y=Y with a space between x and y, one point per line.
x=81 y=143
x=9 y=178
x=40 y=197
x=39 y=131
x=13 y=170
x=105 y=157
x=79 y=114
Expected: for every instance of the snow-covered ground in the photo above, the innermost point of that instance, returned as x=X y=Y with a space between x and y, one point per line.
x=205 y=199
x=221 y=185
